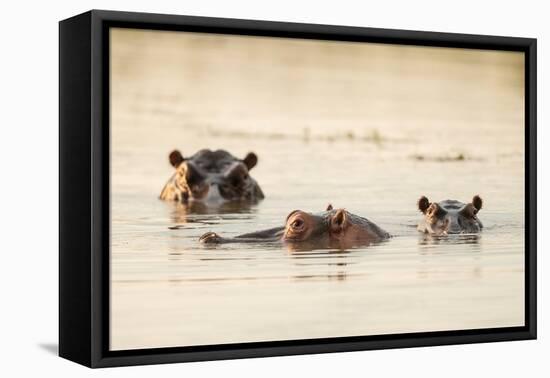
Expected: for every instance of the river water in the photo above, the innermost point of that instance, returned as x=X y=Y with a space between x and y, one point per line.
x=369 y=128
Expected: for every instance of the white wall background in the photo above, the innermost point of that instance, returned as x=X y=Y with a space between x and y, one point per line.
x=29 y=189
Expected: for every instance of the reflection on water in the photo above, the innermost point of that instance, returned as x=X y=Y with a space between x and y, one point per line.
x=427 y=239
x=170 y=290
x=369 y=128
x=193 y=212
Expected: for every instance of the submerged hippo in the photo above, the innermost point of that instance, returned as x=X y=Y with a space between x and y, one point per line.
x=450 y=216
x=332 y=228
x=211 y=176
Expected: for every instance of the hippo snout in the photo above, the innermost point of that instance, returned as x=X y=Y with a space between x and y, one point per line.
x=210 y=238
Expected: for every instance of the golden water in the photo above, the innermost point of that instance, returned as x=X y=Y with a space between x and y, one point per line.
x=369 y=128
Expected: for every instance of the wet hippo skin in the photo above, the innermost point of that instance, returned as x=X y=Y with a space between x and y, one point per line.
x=332 y=228
x=211 y=177
x=450 y=216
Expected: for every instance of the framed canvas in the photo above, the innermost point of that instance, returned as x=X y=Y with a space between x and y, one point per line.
x=235 y=188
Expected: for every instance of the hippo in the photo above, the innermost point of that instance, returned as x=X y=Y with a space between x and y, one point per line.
x=450 y=216
x=332 y=228
x=211 y=177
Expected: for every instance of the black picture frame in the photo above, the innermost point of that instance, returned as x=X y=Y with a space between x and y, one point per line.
x=84 y=187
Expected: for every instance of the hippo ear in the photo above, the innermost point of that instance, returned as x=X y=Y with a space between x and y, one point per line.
x=477 y=202
x=423 y=204
x=339 y=218
x=175 y=158
x=329 y=207
x=339 y=221
x=250 y=160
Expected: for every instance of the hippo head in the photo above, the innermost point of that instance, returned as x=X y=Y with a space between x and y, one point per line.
x=450 y=216
x=332 y=228
x=212 y=176
x=337 y=227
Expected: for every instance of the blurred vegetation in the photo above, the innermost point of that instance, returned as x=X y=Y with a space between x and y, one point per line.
x=444 y=158
x=372 y=136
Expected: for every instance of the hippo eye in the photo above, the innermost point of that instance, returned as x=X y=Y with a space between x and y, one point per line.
x=297 y=223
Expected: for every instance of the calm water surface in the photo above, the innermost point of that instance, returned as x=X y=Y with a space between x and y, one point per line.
x=169 y=290
x=370 y=151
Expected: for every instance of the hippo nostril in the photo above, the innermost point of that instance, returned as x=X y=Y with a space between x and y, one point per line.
x=210 y=238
